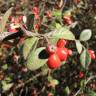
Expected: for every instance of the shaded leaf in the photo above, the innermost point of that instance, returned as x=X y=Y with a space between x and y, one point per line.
x=78 y=46
x=67 y=90
x=85 y=35
x=4 y=19
x=85 y=59
x=33 y=61
x=29 y=42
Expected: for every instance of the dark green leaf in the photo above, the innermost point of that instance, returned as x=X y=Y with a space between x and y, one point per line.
x=85 y=59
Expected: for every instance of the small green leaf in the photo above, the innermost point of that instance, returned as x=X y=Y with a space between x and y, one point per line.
x=58 y=25
x=64 y=33
x=29 y=42
x=78 y=46
x=85 y=35
x=6 y=86
x=67 y=90
x=4 y=19
x=56 y=13
x=5 y=66
x=54 y=81
x=85 y=59
x=33 y=61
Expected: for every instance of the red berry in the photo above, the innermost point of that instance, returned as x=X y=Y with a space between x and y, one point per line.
x=69 y=52
x=62 y=53
x=61 y=43
x=51 y=49
x=91 y=51
x=68 y=20
x=92 y=55
x=53 y=61
x=81 y=74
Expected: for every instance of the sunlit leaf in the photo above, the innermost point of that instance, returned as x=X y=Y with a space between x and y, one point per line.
x=78 y=46
x=85 y=35
x=6 y=86
x=64 y=33
x=34 y=62
x=29 y=42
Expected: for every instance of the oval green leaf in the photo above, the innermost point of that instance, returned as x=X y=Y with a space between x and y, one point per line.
x=33 y=61
x=85 y=35
x=28 y=44
x=64 y=33
x=85 y=59
x=78 y=46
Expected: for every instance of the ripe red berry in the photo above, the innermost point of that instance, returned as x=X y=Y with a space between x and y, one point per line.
x=92 y=55
x=69 y=52
x=81 y=74
x=61 y=43
x=62 y=53
x=51 y=49
x=91 y=51
x=53 y=61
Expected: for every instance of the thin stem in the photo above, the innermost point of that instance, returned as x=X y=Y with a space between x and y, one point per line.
x=29 y=80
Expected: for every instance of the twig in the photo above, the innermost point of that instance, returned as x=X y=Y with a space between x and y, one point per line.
x=29 y=80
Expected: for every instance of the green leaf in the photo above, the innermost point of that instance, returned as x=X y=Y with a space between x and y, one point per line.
x=28 y=44
x=85 y=35
x=45 y=70
x=4 y=19
x=85 y=59
x=91 y=93
x=67 y=90
x=6 y=86
x=64 y=33
x=58 y=25
x=78 y=46
x=33 y=61
x=54 y=81
x=57 y=13
x=4 y=67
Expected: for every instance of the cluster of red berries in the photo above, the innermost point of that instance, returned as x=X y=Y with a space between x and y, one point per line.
x=57 y=54
x=92 y=54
